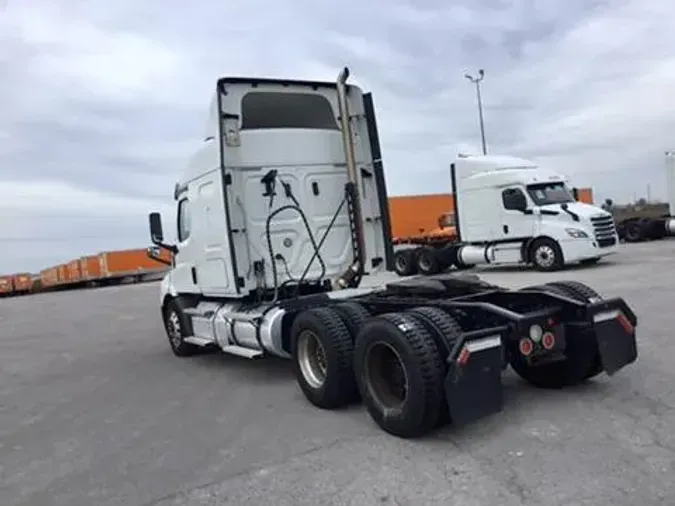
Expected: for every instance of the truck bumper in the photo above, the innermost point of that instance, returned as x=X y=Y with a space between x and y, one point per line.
x=473 y=384
x=575 y=250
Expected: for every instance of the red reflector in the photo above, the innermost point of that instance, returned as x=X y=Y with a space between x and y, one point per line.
x=526 y=346
x=548 y=341
x=625 y=323
x=463 y=357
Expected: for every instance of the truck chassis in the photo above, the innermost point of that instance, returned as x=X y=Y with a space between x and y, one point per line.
x=423 y=352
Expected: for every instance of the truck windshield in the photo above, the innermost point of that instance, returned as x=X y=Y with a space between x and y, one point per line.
x=550 y=193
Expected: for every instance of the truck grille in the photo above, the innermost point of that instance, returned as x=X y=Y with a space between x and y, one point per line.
x=605 y=231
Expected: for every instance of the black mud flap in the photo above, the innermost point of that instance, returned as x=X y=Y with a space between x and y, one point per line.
x=614 y=325
x=473 y=384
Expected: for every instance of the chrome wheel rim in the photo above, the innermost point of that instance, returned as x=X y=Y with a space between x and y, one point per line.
x=312 y=359
x=545 y=256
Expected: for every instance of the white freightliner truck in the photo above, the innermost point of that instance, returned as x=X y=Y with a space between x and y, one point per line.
x=509 y=210
x=283 y=210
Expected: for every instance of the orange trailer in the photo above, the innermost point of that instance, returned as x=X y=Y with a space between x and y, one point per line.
x=418 y=215
x=90 y=268
x=22 y=282
x=49 y=277
x=74 y=274
x=62 y=274
x=131 y=262
x=6 y=286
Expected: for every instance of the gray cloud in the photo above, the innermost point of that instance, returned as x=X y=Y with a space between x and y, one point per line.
x=102 y=101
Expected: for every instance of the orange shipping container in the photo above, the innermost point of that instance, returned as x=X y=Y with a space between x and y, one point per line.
x=49 y=277
x=90 y=268
x=6 y=285
x=22 y=282
x=62 y=275
x=74 y=274
x=129 y=262
x=585 y=195
x=415 y=215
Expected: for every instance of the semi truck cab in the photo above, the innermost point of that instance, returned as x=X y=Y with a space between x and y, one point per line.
x=510 y=210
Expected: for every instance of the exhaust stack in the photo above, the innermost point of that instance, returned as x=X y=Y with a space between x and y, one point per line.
x=352 y=277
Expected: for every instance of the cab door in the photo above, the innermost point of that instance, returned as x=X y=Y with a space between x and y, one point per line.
x=518 y=221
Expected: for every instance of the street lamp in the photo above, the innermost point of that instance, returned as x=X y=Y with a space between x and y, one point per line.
x=476 y=81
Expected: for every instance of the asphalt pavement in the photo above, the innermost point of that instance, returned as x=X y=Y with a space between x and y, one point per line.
x=96 y=410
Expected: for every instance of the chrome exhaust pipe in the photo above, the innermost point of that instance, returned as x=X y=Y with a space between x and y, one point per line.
x=352 y=277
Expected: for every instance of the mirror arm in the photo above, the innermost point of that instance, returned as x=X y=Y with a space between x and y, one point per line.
x=171 y=247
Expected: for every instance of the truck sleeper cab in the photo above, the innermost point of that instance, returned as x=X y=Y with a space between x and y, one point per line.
x=510 y=211
x=283 y=211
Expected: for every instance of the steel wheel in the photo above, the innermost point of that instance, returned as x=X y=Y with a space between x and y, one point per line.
x=386 y=375
x=174 y=329
x=312 y=359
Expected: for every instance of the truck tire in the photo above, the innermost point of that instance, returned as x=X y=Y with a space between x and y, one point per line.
x=399 y=373
x=546 y=255
x=405 y=262
x=582 y=358
x=178 y=326
x=428 y=262
x=322 y=352
x=353 y=314
x=583 y=293
x=633 y=232
x=446 y=330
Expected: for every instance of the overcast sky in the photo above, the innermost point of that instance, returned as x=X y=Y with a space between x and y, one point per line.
x=102 y=101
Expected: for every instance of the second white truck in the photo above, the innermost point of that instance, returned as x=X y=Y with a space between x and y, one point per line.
x=509 y=210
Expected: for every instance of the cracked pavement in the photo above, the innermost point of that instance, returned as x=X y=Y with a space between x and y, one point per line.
x=95 y=410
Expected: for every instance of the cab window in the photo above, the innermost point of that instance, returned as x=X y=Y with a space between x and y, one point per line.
x=269 y=109
x=183 y=220
x=511 y=197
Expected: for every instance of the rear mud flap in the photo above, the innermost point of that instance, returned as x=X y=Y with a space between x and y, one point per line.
x=615 y=334
x=473 y=384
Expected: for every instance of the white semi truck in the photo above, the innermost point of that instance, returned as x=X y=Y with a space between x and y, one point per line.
x=509 y=210
x=282 y=212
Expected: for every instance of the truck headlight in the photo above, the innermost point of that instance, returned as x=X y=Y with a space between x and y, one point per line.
x=576 y=233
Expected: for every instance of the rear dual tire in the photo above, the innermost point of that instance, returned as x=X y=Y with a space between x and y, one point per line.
x=392 y=362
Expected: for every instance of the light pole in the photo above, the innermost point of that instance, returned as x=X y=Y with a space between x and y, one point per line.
x=476 y=81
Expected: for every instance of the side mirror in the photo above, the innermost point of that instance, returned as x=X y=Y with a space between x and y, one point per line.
x=575 y=194
x=156 y=231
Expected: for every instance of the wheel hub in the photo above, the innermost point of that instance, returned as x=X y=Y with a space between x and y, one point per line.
x=312 y=359
x=386 y=376
x=544 y=256
x=424 y=262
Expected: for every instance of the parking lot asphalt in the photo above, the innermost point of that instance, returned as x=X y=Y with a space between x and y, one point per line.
x=96 y=410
